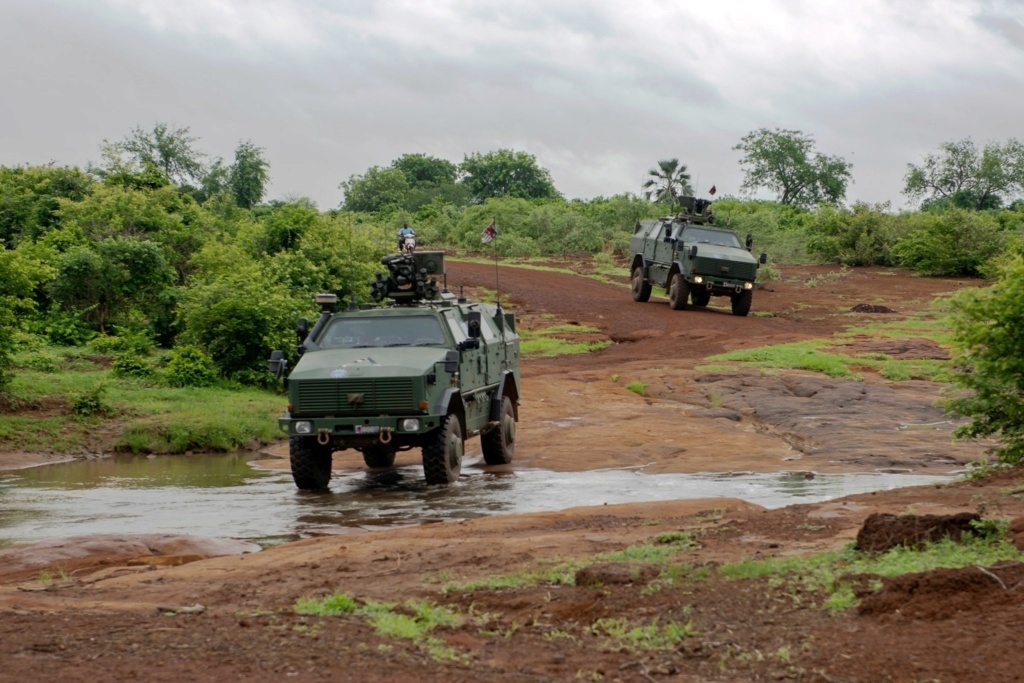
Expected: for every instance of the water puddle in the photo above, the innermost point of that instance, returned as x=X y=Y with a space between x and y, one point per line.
x=225 y=496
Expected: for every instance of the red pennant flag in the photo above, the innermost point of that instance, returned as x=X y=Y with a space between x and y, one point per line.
x=489 y=233
x=712 y=191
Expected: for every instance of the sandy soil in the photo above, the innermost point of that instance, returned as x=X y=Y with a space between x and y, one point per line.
x=159 y=608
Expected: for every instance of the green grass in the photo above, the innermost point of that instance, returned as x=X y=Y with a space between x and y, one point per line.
x=134 y=415
x=826 y=572
x=413 y=620
x=811 y=355
x=650 y=636
x=546 y=342
x=637 y=388
x=803 y=355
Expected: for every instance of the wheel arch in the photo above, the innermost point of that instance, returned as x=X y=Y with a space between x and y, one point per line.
x=452 y=404
x=507 y=386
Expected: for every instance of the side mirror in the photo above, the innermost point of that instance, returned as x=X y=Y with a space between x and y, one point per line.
x=471 y=343
x=764 y=258
x=277 y=364
x=693 y=252
x=451 y=362
x=750 y=241
x=302 y=329
x=473 y=324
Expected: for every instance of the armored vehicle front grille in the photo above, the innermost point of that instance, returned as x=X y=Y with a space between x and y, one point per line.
x=713 y=267
x=356 y=396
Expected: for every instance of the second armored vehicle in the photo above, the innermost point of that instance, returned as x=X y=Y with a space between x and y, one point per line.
x=692 y=258
x=422 y=369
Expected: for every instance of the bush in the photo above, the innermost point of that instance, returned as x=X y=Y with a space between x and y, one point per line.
x=988 y=333
x=64 y=328
x=132 y=364
x=189 y=366
x=863 y=236
x=90 y=403
x=956 y=242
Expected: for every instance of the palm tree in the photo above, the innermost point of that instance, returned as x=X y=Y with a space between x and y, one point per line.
x=668 y=182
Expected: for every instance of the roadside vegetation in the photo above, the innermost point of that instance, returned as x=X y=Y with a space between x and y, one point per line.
x=176 y=266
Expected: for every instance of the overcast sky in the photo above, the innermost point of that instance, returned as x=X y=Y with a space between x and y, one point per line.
x=598 y=91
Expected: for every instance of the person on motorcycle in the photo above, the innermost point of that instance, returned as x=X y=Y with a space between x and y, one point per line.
x=406 y=231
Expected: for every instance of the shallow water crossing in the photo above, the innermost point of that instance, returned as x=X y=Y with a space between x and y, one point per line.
x=226 y=496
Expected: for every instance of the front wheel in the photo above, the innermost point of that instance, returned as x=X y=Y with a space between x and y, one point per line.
x=311 y=463
x=442 y=457
x=379 y=457
x=741 y=302
x=678 y=290
x=499 y=444
x=641 y=287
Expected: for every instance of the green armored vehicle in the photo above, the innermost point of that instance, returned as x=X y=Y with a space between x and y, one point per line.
x=421 y=368
x=692 y=258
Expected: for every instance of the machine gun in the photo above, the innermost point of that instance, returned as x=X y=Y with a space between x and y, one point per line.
x=411 y=278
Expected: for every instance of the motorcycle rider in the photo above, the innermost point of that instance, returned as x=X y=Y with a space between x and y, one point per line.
x=403 y=233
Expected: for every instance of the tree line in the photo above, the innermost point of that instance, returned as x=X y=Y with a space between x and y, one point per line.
x=162 y=246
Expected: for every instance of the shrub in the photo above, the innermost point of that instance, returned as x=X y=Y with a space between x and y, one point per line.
x=132 y=364
x=988 y=333
x=189 y=366
x=863 y=236
x=89 y=403
x=956 y=242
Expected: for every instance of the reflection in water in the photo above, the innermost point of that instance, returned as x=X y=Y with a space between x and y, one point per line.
x=224 y=496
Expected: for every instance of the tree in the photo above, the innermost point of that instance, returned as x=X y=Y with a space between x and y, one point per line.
x=29 y=198
x=506 y=173
x=988 y=333
x=430 y=179
x=963 y=176
x=784 y=161
x=668 y=182
x=423 y=169
x=169 y=151
x=121 y=273
x=249 y=175
x=377 y=189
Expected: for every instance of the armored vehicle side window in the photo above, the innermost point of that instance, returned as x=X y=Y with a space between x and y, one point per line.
x=376 y=332
x=716 y=237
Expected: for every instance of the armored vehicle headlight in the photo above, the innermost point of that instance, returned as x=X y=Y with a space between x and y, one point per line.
x=697 y=279
x=410 y=425
x=303 y=427
x=748 y=285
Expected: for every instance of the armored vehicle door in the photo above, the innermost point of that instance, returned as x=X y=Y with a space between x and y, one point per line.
x=472 y=370
x=664 y=250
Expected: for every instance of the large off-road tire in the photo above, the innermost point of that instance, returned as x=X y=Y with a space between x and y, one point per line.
x=311 y=463
x=378 y=457
x=700 y=297
x=741 y=302
x=641 y=287
x=678 y=290
x=442 y=458
x=499 y=444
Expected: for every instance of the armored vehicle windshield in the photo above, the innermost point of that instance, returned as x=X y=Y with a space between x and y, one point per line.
x=719 y=238
x=406 y=330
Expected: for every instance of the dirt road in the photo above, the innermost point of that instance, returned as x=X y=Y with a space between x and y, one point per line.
x=185 y=609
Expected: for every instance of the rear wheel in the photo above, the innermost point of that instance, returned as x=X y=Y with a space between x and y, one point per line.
x=641 y=287
x=311 y=463
x=378 y=457
x=442 y=458
x=700 y=297
x=678 y=290
x=499 y=444
x=741 y=302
